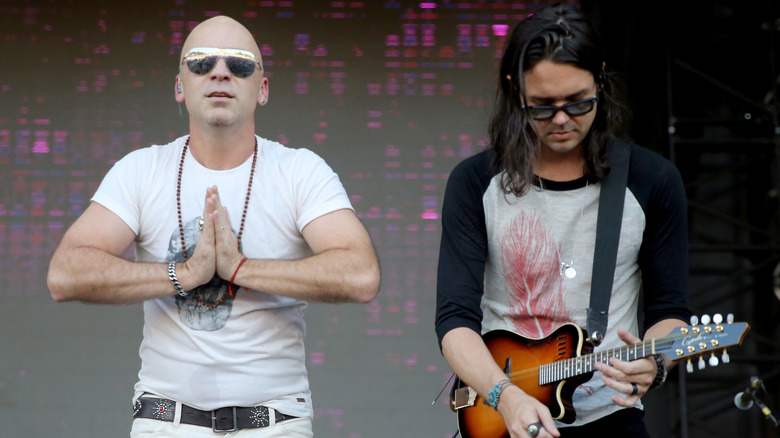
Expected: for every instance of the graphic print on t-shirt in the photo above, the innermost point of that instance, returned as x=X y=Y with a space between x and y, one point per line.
x=201 y=309
x=531 y=267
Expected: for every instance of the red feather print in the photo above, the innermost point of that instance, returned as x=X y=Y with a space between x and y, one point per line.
x=535 y=289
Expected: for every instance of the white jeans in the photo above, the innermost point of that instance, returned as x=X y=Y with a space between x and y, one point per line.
x=150 y=428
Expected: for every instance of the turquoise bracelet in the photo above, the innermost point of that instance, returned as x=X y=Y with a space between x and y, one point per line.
x=495 y=393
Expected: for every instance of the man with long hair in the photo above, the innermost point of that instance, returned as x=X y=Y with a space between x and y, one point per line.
x=519 y=231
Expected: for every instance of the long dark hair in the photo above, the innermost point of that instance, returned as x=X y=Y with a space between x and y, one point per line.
x=560 y=34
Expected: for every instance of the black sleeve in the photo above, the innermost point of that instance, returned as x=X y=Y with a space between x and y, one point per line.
x=463 y=248
x=663 y=257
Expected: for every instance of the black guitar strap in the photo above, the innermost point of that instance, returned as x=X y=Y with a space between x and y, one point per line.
x=610 y=219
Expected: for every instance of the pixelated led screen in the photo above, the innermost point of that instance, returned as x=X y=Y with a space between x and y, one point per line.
x=391 y=93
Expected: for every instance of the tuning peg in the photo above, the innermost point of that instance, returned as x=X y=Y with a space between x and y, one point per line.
x=713 y=360
x=717 y=318
x=694 y=320
x=689 y=367
x=725 y=357
x=705 y=319
x=702 y=364
x=730 y=318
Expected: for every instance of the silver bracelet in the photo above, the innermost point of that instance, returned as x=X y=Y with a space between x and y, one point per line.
x=174 y=280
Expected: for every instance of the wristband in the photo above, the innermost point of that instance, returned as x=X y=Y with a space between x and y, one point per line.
x=175 y=281
x=495 y=393
x=660 y=376
x=230 y=284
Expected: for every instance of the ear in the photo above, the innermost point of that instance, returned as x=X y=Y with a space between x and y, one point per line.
x=262 y=95
x=179 y=90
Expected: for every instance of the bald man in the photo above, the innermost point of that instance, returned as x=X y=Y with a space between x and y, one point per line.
x=233 y=234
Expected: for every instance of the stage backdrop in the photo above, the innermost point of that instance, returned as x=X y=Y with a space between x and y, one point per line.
x=391 y=93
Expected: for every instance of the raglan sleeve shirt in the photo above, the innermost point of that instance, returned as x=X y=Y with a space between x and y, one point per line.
x=663 y=256
x=463 y=250
x=662 y=259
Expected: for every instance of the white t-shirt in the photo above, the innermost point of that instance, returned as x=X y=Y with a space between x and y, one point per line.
x=249 y=350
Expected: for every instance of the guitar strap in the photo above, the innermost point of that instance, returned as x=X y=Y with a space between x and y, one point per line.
x=610 y=219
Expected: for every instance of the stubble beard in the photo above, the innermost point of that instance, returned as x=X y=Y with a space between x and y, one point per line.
x=220 y=115
x=220 y=122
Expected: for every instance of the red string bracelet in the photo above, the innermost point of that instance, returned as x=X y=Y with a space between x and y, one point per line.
x=230 y=285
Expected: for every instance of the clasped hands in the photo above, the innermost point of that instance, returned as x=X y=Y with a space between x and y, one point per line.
x=216 y=252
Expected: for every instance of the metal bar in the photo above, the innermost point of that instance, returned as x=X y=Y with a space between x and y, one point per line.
x=721 y=85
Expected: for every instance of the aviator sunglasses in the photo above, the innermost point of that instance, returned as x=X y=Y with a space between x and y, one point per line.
x=572 y=109
x=202 y=60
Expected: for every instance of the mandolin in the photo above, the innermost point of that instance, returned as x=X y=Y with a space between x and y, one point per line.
x=551 y=368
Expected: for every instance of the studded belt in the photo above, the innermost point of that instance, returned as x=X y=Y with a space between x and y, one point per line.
x=219 y=420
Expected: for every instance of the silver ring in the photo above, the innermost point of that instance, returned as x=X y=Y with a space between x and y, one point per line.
x=533 y=429
x=200 y=223
x=634 y=389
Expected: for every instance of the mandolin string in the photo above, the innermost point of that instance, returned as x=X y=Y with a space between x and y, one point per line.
x=591 y=358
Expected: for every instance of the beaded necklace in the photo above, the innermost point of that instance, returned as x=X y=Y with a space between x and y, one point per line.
x=243 y=215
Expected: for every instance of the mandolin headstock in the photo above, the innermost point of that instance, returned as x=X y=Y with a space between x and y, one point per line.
x=704 y=338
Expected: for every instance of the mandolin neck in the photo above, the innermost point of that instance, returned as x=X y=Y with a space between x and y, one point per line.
x=576 y=366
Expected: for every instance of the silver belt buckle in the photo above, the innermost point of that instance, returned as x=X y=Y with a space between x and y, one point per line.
x=214 y=421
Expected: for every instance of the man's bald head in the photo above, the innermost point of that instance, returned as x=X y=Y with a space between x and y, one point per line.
x=220 y=97
x=222 y=32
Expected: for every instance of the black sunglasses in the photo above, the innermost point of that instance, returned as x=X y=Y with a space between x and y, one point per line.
x=202 y=60
x=572 y=109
